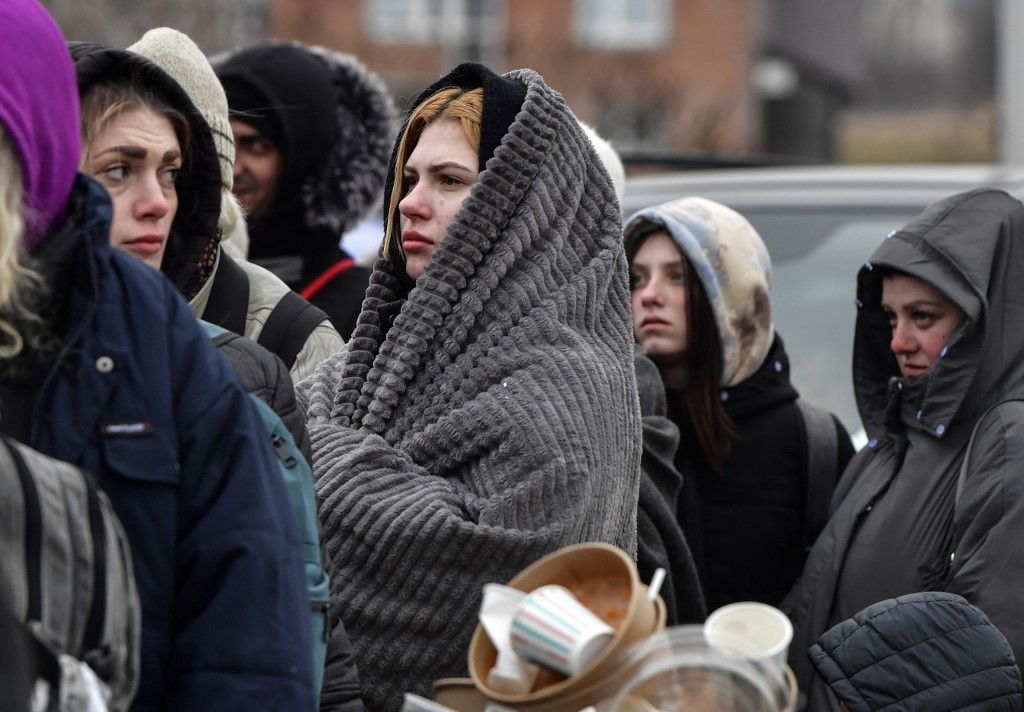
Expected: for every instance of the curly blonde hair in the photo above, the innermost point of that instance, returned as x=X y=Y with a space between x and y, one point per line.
x=12 y=228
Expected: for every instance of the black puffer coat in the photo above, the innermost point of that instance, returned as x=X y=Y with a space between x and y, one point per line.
x=923 y=651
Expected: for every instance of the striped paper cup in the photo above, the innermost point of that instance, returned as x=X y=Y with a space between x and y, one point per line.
x=552 y=628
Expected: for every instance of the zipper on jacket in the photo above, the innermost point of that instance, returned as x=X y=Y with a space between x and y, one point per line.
x=323 y=607
x=280 y=448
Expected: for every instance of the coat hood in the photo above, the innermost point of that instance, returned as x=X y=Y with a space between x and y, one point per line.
x=970 y=247
x=192 y=248
x=922 y=651
x=734 y=268
x=38 y=111
x=333 y=120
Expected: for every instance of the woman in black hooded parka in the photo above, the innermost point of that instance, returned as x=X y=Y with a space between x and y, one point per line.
x=938 y=356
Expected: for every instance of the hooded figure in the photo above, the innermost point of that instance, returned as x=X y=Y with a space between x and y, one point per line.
x=238 y=296
x=330 y=119
x=921 y=651
x=746 y=519
x=486 y=414
x=898 y=524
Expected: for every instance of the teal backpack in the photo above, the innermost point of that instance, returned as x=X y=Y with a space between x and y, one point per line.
x=298 y=480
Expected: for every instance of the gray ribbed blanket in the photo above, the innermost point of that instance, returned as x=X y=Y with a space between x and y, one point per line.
x=497 y=422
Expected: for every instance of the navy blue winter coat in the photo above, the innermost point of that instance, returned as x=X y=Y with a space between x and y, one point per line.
x=140 y=398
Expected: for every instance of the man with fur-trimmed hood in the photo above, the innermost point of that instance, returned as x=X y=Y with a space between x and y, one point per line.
x=313 y=133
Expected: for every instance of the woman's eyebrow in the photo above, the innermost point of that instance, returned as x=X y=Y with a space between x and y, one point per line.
x=129 y=151
x=447 y=165
x=922 y=303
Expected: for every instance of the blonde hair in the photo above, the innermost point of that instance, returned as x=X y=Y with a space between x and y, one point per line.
x=12 y=231
x=454 y=103
x=234 y=234
x=102 y=103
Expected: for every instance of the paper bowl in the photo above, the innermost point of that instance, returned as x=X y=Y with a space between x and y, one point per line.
x=578 y=568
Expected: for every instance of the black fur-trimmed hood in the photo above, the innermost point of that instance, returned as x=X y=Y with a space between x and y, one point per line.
x=344 y=182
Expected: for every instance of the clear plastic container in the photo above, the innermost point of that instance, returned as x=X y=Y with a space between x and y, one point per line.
x=678 y=669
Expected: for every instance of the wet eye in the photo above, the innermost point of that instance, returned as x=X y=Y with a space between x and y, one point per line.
x=169 y=175
x=115 y=172
x=923 y=318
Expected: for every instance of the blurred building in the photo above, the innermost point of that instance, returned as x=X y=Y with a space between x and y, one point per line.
x=724 y=76
x=850 y=80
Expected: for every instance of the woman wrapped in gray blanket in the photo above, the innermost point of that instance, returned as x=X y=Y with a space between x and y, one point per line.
x=485 y=412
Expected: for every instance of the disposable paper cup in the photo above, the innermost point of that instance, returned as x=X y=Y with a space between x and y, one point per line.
x=573 y=567
x=765 y=627
x=552 y=628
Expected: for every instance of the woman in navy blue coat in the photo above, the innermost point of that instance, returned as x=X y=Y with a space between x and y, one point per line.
x=104 y=366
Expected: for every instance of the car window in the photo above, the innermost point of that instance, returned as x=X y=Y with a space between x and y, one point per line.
x=815 y=259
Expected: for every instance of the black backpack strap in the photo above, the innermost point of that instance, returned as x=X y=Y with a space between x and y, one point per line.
x=822 y=467
x=229 y=296
x=289 y=326
x=964 y=466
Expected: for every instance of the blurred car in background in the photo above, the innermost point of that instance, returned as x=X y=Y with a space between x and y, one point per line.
x=820 y=224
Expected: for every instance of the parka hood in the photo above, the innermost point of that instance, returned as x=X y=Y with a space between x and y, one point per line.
x=194 y=239
x=734 y=268
x=38 y=112
x=969 y=247
x=332 y=119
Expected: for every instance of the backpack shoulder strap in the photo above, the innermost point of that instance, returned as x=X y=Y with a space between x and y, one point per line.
x=289 y=326
x=962 y=478
x=325 y=277
x=822 y=466
x=229 y=296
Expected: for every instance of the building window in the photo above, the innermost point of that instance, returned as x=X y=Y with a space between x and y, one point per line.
x=442 y=22
x=623 y=24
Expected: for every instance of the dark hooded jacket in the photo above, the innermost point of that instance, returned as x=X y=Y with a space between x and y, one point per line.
x=746 y=525
x=921 y=651
x=192 y=247
x=897 y=526
x=193 y=260
x=138 y=397
x=189 y=262
x=660 y=540
x=332 y=120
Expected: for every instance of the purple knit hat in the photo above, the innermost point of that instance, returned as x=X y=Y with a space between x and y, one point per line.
x=39 y=110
